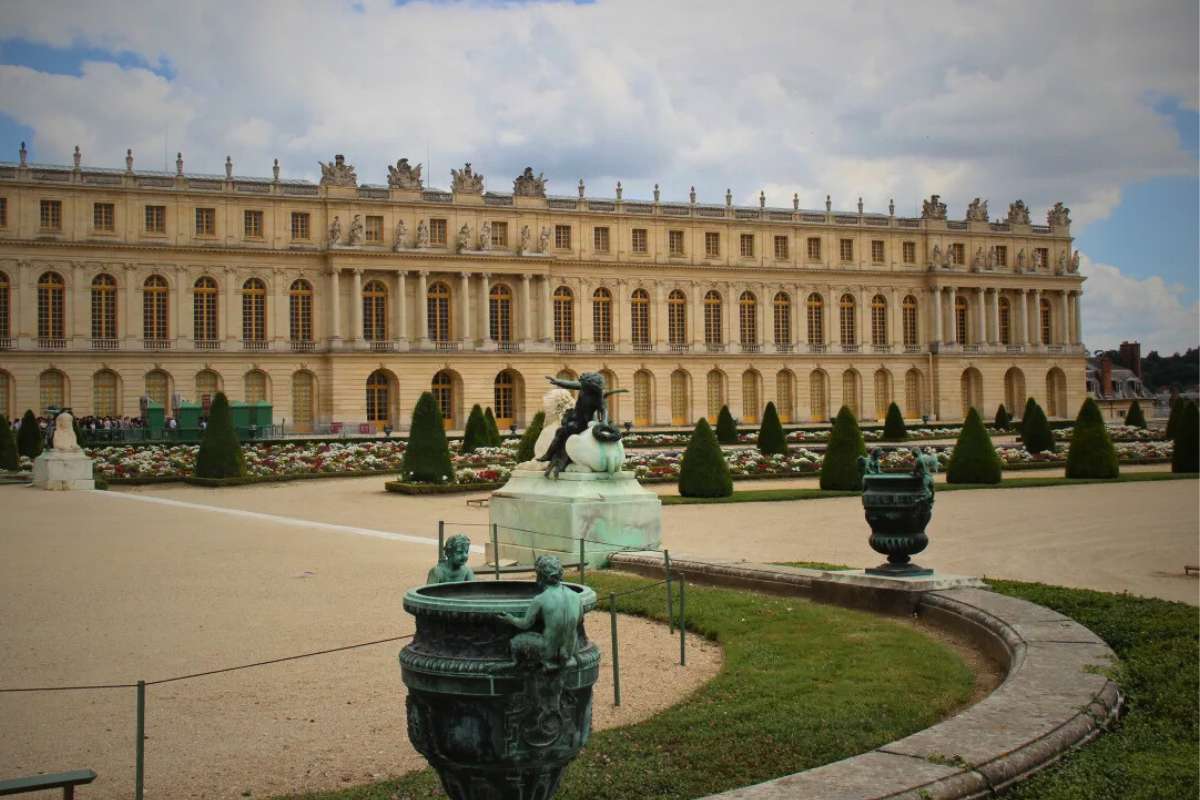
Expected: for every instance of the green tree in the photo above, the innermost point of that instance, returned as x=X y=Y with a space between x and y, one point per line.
x=8 y=446
x=974 y=459
x=1186 y=453
x=1003 y=420
x=220 y=453
x=1134 y=415
x=427 y=457
x=893 y=425
x=1091 y=454
x=530 y=437
x=839 y=470
x=1036 y=435
x=29 y=437
x=703 y=471
x=1177 y=405
x=771 y=438
x=727 y=432
x=476 y=434
x=494 y=439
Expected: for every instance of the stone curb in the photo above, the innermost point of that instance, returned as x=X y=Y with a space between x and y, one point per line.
x=1055 y=695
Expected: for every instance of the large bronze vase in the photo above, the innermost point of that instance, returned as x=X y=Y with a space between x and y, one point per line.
x=898 y=507
x=491 y=729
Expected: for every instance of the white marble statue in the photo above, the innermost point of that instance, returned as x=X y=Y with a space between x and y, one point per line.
x=525 y=239
x=401 y=242
x=64 y=432
x=355 y=236
x=422 y=234
x=544 y=241
x=335 y=231
x=555 y=403
x=588 y=454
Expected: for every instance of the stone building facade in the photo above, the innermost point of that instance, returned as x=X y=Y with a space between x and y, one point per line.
x=340 y=302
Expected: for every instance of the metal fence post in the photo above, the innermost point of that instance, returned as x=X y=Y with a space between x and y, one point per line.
x=140 y=749
x=582 y=560
x=670 y=601
x=616 y=657
x=441 y=539
x=682 y=627
x=496 y=548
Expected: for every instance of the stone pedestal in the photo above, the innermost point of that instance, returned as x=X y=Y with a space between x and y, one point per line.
x=63 y=470
x=536 y=515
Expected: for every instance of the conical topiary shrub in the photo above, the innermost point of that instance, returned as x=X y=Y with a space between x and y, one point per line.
x=476 y=434
x=220 y=453
x=1003 y=420
x=703 y=471
x=893 y=425
x=727 y=432
x=771 y=439
x=1091 y=454
x=839 y=470
x=1172 y=419
x=1134 y=415
x=427 y=457
x=1036 y=435
x=29 y=437
x=8 y=446
x=530 y=437
x=1186 y=454
x=492 y=429
x=974 y=459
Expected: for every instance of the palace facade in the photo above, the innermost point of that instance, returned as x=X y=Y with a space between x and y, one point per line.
x=341 y=302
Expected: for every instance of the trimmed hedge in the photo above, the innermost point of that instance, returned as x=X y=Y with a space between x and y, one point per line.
x=1185 y=456
x=771 y=439
x=1134 y=415
x=8 y=447
x=1003 y=420
x=29 y=437
x=476 y=434
x=974 y=459
x=427 y=456
x=727 y=432
x=1036 y=435
x=703 y=471
x=1091 y=454
x=893 y=425
x=840 y=467
x=1177 y=406
x=493 y=431
x=407 y=487
x=220 y=454
x=530 y=437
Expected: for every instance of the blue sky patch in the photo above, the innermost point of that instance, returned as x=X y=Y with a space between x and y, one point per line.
x=70 y=60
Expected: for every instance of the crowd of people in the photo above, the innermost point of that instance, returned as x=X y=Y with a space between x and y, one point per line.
x=97 y=428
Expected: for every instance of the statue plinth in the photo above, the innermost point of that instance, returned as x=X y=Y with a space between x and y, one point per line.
x=63 y=470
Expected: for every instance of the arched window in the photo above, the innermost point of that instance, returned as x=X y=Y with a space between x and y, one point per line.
x=849 y=326
x=748 y=318
x=816 y=320
x=437 y=304
x=52 y=390
x=155 y=304
x=504 y=397
x=1056 y=393
x=158 y=387
x=564 y=315
x=614 y=401
x=913 y=400
x=883 y=393
x=960 y=319
x=909 y=320
x=972 y=391
x=879 y=312
x=256 y=386
x=5 y=305
x=208 y=383
x=300 y=312
x=303 y=394
x=1047 y=320
x=500 y=301
x=642 y=403
x=104 y=394
x=374 y=317
x=852 y=392
x=442 y=388
x=750 y=398
x=1005 y=314
x=677 y=318
x=50 y=293
x=712 y=318
x=379 y=398
x=716 y=394
x=602 y=316
x=783 y=318
x=785 y=392
x=6 y=392
x=818 y=391
x=1014 y=391
x=639 y=318
x=104 y=307
x=254 y=311
x=204 y=310
x=680 y=384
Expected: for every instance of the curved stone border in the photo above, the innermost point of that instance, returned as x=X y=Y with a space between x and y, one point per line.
x=1055 y=695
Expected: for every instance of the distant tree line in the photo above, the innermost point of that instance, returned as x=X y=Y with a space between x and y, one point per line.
x=1181 y=371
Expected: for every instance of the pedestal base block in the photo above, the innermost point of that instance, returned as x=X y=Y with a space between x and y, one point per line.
x=63 y=470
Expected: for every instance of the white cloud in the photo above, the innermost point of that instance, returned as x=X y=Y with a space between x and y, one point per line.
x=1118 y=307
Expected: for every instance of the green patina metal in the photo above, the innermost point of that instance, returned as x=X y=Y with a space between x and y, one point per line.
x=898 y=508
x=452 y=566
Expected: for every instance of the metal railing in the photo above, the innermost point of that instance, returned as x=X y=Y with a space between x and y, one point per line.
x=508 y=347
x=679 y=347
x=105 y=344
x=257 y=345
x=302 y=346
x=565 y=347
x=51 y=343
x=751 y=348
x=383 y=346
x=207 y=344
x=851 y=348
x=156 y=344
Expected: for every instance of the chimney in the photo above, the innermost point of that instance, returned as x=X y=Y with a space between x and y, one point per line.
x=1131 y=357
x=1106 y=384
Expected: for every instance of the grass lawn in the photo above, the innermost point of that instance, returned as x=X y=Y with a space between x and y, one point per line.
x=771 y=495
x=802 y=685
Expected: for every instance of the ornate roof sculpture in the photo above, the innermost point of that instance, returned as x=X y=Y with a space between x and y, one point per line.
x=338 y=173
x=932 y=208
x=465 y=181
x=977 y=211
x=1018 y=213
x=526 y=185
x=403 y=176
x=1059 y=215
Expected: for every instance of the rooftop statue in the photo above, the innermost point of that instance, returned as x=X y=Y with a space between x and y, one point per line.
x=466 y=181
x=588 y=419
x=1061 y=266
x=526 y=185
x=452 y=566
x=339 y=173
x=991 y=258
x=560 y=610
x=1018 y=213
x=1060 y=215
x=402 y=176
x=977 y=211
x=1075 y=262
x=933 y=208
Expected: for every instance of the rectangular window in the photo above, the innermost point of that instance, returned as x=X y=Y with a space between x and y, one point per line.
x=103 y=217
x=499 y=234
x=675 y=243
x=746 y=245
x=3 y=212
x=877 y=251
x=640 y=242
x=712 y=244
x=910 y=252
x=206 y=222
x=958 y=253
x=562 y=237
x=51 y=215
x=814 y=248
x=300 y=225
x=253 y=224
x=374 y=229
x=437 y=231
x=781 y=248
x=600 y=237
x=846 y=249
x=1042 y=256
x=156 y=219
x=1001 y=255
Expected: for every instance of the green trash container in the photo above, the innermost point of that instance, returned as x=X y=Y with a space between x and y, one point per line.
x=189 y=421
x=156 y=420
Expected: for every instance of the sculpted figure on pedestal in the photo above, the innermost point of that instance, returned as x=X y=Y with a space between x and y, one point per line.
x=544 y=241
x=1060 y=215
x=1018 y=213
x=64 y=432
x=485 y=236
x=526 y=185
x=524 y=238
x=335 y=231
x=991 y=259
x=339 y=173
x=935 y=258
x=402 y=176
x=1020 y=260
x=355 y=236
x=401 y=240
x=977 y=211
x=933 y=208
x=560 y=610
x=466 y=181
x=422 y=234
x=464 y=238
x=1075 y=262
x=452 y=566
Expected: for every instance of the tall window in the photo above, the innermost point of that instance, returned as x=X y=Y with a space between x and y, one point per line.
x=784 y=393
x=748 y=318
x=712 y=244
x=300 y=311
x=373 y=229
x=716 y=394
x=302 y=401
x=1001 y=255
x=156 y=219
x=746 y=245
x=437 y=231
x=816 y=320
x=51 y=215
x=1046 y=319
x=675 y=243
x=602 y=316
x=50 y=294
x=499 y=234
x=301 y=225
x=641 y=398
x=879 y=312
x=1005 y=314
x=207 y=385
x=818 y=392
x=909 y=320
x=640 y=242
x=158 y=387
x=883 y=393
x=504 y=397
x=639 y=317
x=960 y=319
x=52 y=390
x=104 y=393
x=783 y=318
x=254 y=311
x=814 y=248
x=5 y=302
x=206 y=222
x=912 y=394
x=972 y=391
x=849 y=324
x=750 y=400
x=846 y=249
x=910 y=252
x=252 y=224
x=562 y=237
x=378 y=398
x=712 y=317
x=437 y=306
x=958 y=253
x=204 y=309
x=1041 y=257
x=500 y=313
x=374 y=305
x=781 y=248
x=443 y=392
x=877 y=251
x=255 y=386
x=104 y=307
x=679 y=397
x=155 y=297
x=564 y=315
x=852 y=392
x=600 y=240
x=103 y=217
x=3 y=224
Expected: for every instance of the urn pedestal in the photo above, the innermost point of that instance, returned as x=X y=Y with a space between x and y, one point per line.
x=491 y=729
x=898 y=507
x=63 y=470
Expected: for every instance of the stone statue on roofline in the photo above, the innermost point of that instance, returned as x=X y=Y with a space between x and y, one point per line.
x=1018 y=213
x=466 y=180
x=1075 y=262
x=933 y=208
x=1059 y=216
x=990 y=263
x=526 y=185
x=935 y=258
x=977 y=211
x=403 y=176
x=1061 y=266
x=338 y=173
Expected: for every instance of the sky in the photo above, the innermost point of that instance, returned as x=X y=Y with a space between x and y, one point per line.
x=1090 y=103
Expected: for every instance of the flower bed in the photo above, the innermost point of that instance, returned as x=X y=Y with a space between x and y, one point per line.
x=1118 y=433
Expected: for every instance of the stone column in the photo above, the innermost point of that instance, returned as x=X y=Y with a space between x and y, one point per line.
x=422 y=302
x=658 y=320
x=697 y=321
x=400 y=333
x=526 y=310
x=335 y=307
x=1022 y=323
x=230 y=312
x=936 y=335
x=980 y=329
x=895 y=321
x=484 y=318
x=994 y=335
x=620 y=332
x=1037 y=317
x=356 y=306
x=131 y=326
x=547 y=310
x=799 y=322
x=1078 y=317
x=464 y=312
x=952 y=303
x=1065 y=327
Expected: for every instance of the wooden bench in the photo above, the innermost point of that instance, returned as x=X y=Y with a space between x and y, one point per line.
x=67 y=781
